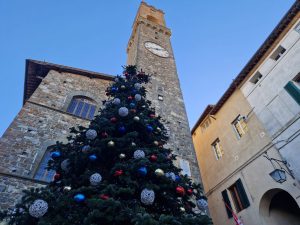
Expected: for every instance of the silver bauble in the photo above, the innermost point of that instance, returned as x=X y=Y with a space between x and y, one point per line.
x=182 y=209
x=123 y=111
x=116 y=101
x=147 y=196
x=111 y=144
x=67 y=188
x=133 y=144
x=91 y=134
x=123 y=87
x=138 y=97
x=155 y=143
x=137 y=86
x=38 y=208
x=138 y=154
x=95 y=179
x=171 y=176
x=86 y=149
x=65 y=165
x=136 y=119
x=122 y=156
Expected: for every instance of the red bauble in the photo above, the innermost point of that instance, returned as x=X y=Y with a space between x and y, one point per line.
x=126 y=74
x=57 y=176
x=132 y=110
x=130 y=97
x=118 y=173
x=113 y=119
x=152 y=115
x=189 y=191
x=104 y=135
x=153 y=158
x=180 y=190
x=104 y=197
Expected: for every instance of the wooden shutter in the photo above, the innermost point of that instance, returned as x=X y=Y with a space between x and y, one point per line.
x=293 y=90
x=227 y=203
x=242 y=194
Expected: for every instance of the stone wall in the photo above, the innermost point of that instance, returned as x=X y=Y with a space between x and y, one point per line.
x=41 y=122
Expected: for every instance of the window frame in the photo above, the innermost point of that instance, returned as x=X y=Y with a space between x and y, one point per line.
x=82 y=107
x=42 y=173
x=217 y=148
x=278 y=53
x=237 y=121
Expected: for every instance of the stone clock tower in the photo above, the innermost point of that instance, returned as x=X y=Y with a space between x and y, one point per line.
x=149 y=48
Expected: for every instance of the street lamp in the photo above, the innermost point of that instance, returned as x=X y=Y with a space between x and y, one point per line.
x=278 y=174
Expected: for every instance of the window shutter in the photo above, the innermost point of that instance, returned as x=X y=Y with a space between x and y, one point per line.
x=227 y=203
x=293 y=90
x=242 y=194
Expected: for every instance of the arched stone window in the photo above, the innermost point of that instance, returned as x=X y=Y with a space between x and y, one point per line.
x=82 y=106
x=42 y=173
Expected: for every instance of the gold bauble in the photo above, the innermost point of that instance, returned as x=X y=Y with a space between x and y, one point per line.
x=159 y=172
x=111 y=144
x=155 y=143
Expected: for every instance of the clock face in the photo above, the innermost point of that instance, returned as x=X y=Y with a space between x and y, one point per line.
x=156 y=49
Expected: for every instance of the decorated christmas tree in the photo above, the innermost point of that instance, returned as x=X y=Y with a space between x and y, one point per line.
x=116 y=171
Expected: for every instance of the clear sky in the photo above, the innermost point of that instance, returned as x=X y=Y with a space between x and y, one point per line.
x=212 y=41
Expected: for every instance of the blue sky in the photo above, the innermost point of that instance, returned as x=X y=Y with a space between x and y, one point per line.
x=212 y=41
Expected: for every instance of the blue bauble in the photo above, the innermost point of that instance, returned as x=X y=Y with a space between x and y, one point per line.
x=79 y=198
x=142 y=171
x=132 y=105
x=149 y=128
x=134 y=91
x=122 y=129
x=93 y=157
x=114 y=89
x=177 y=178
x=55 y=154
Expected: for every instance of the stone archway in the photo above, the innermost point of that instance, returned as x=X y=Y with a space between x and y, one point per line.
x=278 y=207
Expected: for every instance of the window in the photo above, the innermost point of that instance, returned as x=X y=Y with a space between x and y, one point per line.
x=240 y=126
x=217 y=148
x=83 y=107
x=278 y=53
x=238 y=196
x=160 y=97
x=293 y=88
x=257 y=76
x=205 y=124
x=297 y=27
x=43 y=173
x=185 y=166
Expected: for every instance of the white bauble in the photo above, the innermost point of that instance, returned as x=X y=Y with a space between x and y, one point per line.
x=137 y=86
x=65 y=165
x=138 y=154
x=171 y=175
x=116 y=79
x=95 y=179
x=38 y=208
x=116 y=101
x=138 y=97
x=123 y=111
x=202 y=204
x=91 y=134
x=147 y=196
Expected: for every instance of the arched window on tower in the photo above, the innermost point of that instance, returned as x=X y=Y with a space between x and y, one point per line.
x=82 y=106
x=42 y=173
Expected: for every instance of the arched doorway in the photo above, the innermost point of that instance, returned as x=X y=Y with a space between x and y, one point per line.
x=278 y=207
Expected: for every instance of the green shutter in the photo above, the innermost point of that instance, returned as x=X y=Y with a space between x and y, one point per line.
x=293 y=90
x=242 y=193
x=227 y=203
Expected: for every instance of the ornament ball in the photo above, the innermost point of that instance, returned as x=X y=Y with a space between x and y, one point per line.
x=136 y=119
x=182 y=209
x=67 y=188
x=111 y=144
x=79 y=198
x=159 y=172
x=122 y=156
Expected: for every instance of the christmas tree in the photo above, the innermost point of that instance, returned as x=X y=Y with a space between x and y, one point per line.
x=116 y=171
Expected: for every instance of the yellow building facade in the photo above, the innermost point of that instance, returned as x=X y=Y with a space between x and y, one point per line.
x=239 y=160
